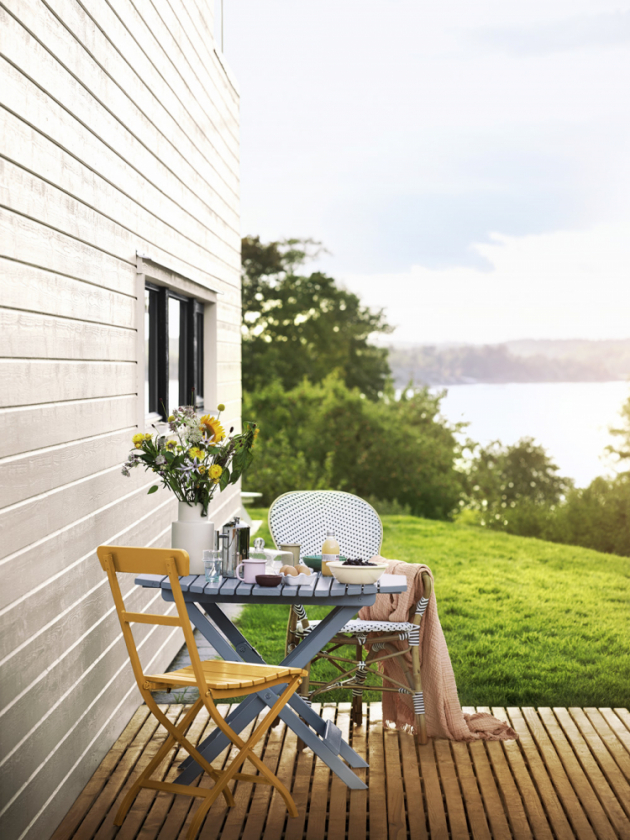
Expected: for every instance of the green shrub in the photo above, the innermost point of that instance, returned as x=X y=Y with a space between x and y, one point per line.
x=329 y=436
x=517 y=489
x=597 y=516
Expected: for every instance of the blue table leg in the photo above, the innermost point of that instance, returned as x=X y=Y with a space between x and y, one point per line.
x=254 y=704
x=298 y=658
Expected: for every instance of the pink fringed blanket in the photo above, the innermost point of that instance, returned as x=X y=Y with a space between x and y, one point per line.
x=443 y=712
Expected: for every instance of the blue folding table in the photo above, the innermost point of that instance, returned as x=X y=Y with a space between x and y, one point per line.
x=202 y=601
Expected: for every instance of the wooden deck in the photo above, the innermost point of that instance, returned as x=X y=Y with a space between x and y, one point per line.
x=567 y=776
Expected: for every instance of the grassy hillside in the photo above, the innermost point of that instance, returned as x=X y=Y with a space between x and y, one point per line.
x=527 y=622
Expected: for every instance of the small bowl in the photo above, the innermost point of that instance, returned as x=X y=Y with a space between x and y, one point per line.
x=314 y=562
x=268 y=580
x=356 y=574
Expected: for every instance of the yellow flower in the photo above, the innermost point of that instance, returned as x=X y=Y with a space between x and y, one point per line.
x=148 y=436
x=171 y=417
x=197 y=453
x=221 y=407
x=201 y=469
x=215 y=480
x=170 y=444
x=138 y=438
x=211 y=426
x=216 y=471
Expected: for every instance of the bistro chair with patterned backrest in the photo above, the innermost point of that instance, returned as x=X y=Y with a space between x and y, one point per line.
x=215 y=679
x=303 y=517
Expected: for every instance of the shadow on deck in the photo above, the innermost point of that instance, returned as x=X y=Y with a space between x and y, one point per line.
x=567 y=776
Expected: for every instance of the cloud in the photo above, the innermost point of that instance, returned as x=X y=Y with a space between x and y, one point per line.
x=544 y=38
x=566 y=284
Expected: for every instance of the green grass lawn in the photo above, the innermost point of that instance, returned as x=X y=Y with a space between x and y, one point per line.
x=527 y=622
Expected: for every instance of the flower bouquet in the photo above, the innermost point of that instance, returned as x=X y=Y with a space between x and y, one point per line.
x=196 y=458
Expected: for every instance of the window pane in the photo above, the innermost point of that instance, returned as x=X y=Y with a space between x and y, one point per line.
x=173 y=353
x=199 y=383
x=147 y=356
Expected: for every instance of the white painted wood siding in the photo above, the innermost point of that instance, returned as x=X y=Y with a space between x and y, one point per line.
x=119 y=129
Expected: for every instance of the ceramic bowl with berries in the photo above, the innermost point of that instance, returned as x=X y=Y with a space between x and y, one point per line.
x=356 y=570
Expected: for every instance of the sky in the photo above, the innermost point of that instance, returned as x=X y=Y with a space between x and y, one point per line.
x=465 y=163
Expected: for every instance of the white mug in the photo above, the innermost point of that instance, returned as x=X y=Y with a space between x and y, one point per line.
x=253 y=567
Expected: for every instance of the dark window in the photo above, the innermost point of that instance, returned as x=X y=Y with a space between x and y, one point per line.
x=173 y=351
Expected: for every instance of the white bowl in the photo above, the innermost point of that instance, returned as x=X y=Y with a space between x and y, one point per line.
x=356 y=574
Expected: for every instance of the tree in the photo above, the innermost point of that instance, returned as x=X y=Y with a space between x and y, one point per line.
x=318 y=436
x=298 y=326
x=515 y=487
x=623 y=433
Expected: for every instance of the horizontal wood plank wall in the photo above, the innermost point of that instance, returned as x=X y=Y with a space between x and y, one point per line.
x=119 y=134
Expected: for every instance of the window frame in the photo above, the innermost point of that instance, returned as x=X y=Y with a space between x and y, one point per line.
x=198 y=345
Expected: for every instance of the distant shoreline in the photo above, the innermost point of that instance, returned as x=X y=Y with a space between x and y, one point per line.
x=526 y=362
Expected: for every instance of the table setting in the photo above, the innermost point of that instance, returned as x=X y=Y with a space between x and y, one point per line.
x=195 y=459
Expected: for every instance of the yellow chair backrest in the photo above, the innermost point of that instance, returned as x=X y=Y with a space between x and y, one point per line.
x=143 y=561
x=150 y=561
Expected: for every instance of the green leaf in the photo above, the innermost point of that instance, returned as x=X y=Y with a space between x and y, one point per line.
x=224 y=480
x=153 y=489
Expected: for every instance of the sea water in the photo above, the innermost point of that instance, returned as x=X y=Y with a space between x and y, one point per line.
x=570 y=419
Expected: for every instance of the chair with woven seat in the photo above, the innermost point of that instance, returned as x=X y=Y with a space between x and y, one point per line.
x=215 y=679
x=304 y=517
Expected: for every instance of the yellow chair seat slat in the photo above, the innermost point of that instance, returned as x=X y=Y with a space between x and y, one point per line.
x=227 y=676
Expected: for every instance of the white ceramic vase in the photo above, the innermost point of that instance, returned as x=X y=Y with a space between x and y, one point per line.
x=194 y=533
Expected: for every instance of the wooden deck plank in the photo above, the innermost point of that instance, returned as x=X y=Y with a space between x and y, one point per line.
x=579 y=781
x=338 y=808
x=472 y=797
x=452 y=791
x=357 y=817
x=566 y=777
x=277 y=811
x=543 y=772
x=396 y=816
x=531 y=801
x=180 y=808
x=107 y=829
x=162 y=803
x=616 y=724
x=300 y=792
x=506 y=798
x=624 y=716
x=219 y=810
x=262 y=793
x=99 y=780
x=243 y=792
x=214 y=824
x=610 y=755
x=416 y=815
x=105 y=800
x=489 y=793
x=599 y=766
x=377 y=804
x=433 y=791
x=316 y=829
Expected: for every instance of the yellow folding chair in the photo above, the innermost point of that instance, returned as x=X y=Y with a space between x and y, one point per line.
x=215 y=679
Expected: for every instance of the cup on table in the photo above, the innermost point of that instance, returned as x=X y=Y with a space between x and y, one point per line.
x=251 y=567
x=212 y=565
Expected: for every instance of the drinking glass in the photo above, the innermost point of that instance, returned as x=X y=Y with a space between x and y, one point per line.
x=212 y=565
